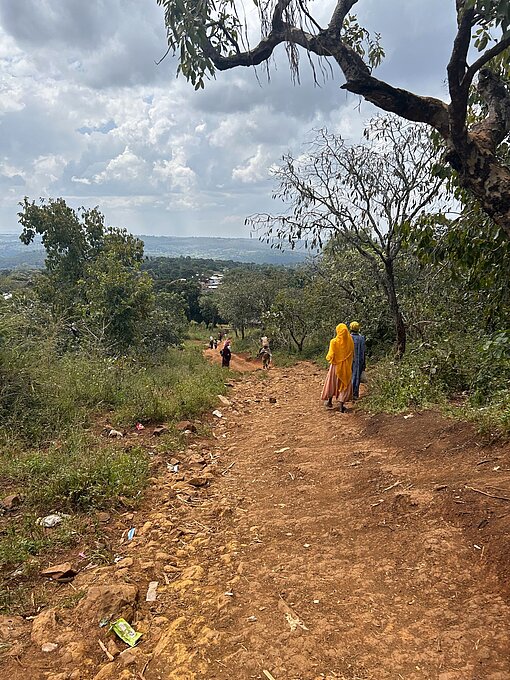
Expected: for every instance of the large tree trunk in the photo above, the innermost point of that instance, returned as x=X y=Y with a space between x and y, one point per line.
x=487 y=179
x=398 y=319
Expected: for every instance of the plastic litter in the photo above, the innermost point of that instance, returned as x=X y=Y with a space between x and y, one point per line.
x=122 y=629
x=139 y=426
x=51 y=521
x=130 y=534
x=217 y=413
x=152 y=591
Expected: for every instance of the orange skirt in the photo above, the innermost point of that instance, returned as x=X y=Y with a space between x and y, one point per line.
x=332 y=387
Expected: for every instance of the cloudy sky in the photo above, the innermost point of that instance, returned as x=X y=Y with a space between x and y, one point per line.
x=85 y=112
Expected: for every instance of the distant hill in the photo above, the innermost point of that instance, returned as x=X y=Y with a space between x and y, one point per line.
x=14 y=254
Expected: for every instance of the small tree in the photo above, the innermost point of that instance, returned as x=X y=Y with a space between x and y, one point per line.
x=366 y=193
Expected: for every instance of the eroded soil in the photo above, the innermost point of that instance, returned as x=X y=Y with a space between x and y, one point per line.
x=298 y=543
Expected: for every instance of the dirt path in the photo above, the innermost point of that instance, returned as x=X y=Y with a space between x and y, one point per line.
x=300 y=544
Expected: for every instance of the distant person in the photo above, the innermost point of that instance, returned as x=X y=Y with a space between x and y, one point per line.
x=266 y=356
x=211 y=342
x=226 y=354
x=215 y=343
x=264 y=341
x=358 y=363
x=339 y=379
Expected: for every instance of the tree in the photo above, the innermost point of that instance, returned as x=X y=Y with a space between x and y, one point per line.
x=72 y=240
x=208 y=303
x=118 y=300
x=210 y=36
x=292 y=315
x=366 y=193
x=238 y=300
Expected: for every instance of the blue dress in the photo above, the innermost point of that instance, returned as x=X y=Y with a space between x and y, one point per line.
x=358 y=363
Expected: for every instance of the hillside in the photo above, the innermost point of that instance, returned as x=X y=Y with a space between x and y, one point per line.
x=14 y=254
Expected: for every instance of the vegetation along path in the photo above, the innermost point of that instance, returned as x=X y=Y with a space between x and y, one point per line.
x=298 y=543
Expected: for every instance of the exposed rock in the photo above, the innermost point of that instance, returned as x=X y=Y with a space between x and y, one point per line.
x=132 y=655
x=10 y=502
x=125 y=562
x=108 y=600
x=44 y=627
x=60 y=572
x=200 y=480
x=158 y=431
x=224 y=400
x=103 y=517
x=112 y=648
x=145 y=566
x=11 y=627
x=73 y=653
x=49 y=647
x=184 y=425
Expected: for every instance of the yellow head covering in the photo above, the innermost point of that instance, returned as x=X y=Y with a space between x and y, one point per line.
x=341 y=351
x=354 y=326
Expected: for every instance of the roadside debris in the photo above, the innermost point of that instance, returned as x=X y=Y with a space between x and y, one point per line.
x=51 y=521
x=217 y=413
x=63 y=573
x=152 y=591
x=115 y=434
x=125 y=632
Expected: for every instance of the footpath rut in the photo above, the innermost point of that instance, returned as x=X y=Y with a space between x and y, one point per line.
x=313 y=544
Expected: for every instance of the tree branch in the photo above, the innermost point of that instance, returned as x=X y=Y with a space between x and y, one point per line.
x=496 y=125
x=501 y=46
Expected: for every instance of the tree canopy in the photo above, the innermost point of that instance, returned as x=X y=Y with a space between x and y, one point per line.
x=211 y=35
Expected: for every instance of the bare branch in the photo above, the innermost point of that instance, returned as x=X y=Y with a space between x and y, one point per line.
x=494 y=51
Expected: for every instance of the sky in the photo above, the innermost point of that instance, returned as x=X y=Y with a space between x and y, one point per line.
x=87 y=114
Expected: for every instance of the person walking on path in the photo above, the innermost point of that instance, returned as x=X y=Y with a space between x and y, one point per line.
x=358 y=363
x=226 y=354
x=339 y=379
x=211 y=342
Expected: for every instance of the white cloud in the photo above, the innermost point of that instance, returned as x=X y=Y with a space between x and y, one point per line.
x=86 y=114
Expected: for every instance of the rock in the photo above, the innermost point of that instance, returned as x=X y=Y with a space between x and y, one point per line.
x=73 y=653
x=163 y=557
x=11 y=627
x=129 y=656
x=217 y=413
x=171 y=569
x=158 y=431
x=184 y=425
x=224 y=400
x=115 y=434
x=58 y=676
x=49 y=647
x=272 y=400
x=10 y=502
x=107 y=672
x=44 y=627
x=112 y=648
x=103 y=517
x=108 y=601
x=145 y=566
x=125 y=562
x=200 y=480
x=60 y=572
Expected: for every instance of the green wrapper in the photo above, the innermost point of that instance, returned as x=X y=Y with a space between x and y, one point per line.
x=127 y=634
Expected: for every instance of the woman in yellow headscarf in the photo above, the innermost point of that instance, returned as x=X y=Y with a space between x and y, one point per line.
x=339 y=379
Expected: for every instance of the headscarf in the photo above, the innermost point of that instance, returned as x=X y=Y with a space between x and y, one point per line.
x=354 y=326
x=341 y=352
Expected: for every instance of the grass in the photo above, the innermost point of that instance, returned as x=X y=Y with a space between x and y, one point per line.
x=432 y=378
x=51 y=456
